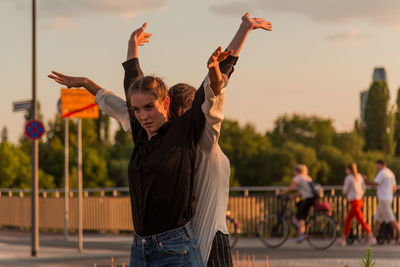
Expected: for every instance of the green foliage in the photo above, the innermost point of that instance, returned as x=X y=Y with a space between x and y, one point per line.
x=46 y=181
x=378 y=131
x=256 y=159
x=367 y=260
x=310 y=131
x=15 y=167
x=336 y=161
x=4 y=134
x=350 y=143
x=243 y=146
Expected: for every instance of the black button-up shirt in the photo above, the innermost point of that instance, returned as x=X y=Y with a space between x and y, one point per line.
x=161 y=170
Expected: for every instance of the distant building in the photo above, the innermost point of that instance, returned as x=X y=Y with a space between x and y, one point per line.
x=363 y=103
x=379 y=75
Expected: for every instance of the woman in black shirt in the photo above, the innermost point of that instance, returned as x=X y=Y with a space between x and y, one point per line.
x=161 y=170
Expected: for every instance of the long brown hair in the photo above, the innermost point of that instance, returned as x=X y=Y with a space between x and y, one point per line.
x=352 y=167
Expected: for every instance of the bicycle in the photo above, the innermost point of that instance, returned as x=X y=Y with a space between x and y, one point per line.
x=234 y=229
x=321 y=229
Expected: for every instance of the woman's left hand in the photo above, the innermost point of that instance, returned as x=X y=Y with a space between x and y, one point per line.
x=217 y=57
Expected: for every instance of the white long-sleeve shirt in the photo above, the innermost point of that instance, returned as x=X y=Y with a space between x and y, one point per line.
x=212 y=170
x=353 y=189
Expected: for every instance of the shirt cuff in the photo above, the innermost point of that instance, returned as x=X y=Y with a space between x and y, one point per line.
x=208 y=92
x=98 y=96
x=129 y=64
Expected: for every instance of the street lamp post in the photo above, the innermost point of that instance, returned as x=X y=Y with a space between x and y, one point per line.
x=35 y=147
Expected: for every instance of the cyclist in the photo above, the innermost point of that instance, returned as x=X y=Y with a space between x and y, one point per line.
x=301 y=182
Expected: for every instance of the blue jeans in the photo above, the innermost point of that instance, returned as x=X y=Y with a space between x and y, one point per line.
x=177 y=247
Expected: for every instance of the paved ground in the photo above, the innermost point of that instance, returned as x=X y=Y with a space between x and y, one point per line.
x=99 y=249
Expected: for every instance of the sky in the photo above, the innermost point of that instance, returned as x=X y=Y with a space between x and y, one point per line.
x=317 y=59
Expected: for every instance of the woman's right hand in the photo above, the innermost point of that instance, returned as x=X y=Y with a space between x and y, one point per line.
x=139 y=37
x=68 y=81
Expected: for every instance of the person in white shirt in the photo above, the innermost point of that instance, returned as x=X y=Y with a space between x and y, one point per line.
x=353 y=190
x=385 y=183
x=301 y=182
x=211 y=182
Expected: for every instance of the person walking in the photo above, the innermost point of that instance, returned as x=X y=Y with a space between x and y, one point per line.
x=385 y=183
x=353 y=190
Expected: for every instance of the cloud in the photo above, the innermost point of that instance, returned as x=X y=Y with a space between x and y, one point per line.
x=63 y=24
x=78 y=8
x=232 y=9
x=351 y=34
x=384 y=12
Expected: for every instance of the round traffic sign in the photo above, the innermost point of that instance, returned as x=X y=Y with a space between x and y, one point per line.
x=34 y=129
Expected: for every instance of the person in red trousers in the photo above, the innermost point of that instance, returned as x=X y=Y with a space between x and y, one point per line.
x=353 y=190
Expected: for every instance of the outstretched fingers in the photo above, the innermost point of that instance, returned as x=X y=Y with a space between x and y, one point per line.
x=214 y=57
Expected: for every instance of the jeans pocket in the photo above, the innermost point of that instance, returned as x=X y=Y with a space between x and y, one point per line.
x=174 y=247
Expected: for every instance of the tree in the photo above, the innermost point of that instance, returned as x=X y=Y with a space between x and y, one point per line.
x=15 y=167
x=377 y=117
x=308 y=130
x=336 y=161
x=303 y=155
x=4 y=134
x=242 y=145
x=349 y=143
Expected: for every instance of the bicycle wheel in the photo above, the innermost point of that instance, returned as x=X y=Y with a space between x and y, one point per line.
x=273 y=231
x=321 y=231
x=233 y=231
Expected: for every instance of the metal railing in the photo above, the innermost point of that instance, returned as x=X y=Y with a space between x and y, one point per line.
x=109 y=210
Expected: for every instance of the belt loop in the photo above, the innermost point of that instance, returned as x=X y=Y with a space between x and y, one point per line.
x=155 y=240
x=188 y=231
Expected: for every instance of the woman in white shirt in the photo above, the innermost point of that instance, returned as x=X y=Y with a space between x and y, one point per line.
x=353 y=190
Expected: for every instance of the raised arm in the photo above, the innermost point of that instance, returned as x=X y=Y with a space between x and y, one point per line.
x=217 y=79
x=138 y=38
x=131 y=66
x=75 y=82
x=248 y=24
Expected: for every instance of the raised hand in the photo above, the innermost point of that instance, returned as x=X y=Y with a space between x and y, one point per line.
x=214 y=73
x=68 y=81
x=139 y=37
x=217 y=57
x=256 y=23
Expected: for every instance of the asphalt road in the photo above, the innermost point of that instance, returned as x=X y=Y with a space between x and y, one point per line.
x=99 y=249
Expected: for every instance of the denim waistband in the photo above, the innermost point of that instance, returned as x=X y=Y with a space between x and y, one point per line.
x=164 y=236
